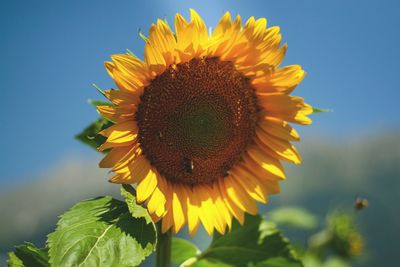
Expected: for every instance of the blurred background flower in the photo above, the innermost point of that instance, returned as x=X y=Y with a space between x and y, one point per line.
x=53 y=51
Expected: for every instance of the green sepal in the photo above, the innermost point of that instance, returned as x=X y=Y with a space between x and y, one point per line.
x=144 y=37
x=321 y=110
x=99 y=103
x=99 y=89
x=129 y=52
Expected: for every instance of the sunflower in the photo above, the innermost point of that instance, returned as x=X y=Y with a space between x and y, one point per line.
x=201 y=124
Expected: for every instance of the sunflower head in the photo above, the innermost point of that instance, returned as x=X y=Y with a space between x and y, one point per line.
x=201 y=124
x=346 y=237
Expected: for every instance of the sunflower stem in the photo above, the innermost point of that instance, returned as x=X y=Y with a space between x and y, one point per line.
x=163 y=253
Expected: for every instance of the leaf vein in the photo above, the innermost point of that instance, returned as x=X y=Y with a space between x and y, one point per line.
x=94 y=245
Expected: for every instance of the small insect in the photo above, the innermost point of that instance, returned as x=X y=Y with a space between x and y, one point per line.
x=159 y=136
x=361 y=203
x=188 y=165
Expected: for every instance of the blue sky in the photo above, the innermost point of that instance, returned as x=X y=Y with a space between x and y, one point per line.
x=52 y=51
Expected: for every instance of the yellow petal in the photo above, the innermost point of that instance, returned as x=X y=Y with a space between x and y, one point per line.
x=207 y=210
x=129 y=73
x=118 y=97
x=133 y=172
x=108 y=112
x=272 y=39
x=285 y=107
x=192 y=38
x=134 y=153
x=279 y=128
x=121 y=178
x=122 y=128
x=223 y=25
x=255 y=30
x=115 y=155
x=162 y=39
x=128 y=83
x=249 y=183
x=279 y=147
x=239 y=196
x=281 y=80
x=214 y=211
x=256 y=168
x=233 y=209
x=280 y=103
x=221 y=208
x=268 y=163
x=183 y=35
x=193 y=206
x=155 y=61
x=131 y=66
x=269 y=186
x=200 y=28
x=274 y=58
x=178 y=208
x=234 y=44
x=110 y=68
x=157 y=200
x=120 y=134
x=117 y=113
x=146 y=187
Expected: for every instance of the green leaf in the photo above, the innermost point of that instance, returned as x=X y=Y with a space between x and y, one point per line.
x=182 y=250
x=90 y=134
x=293 y=217
x=257 y=240
x=137 y=211
x=101 y=232
x=28 y=255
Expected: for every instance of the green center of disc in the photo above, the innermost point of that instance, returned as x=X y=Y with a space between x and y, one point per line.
x=200 y=127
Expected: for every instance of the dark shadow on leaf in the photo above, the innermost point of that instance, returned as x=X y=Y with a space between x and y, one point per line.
x=118 y=214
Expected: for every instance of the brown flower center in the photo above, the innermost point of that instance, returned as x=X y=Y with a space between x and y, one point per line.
x=196 y=119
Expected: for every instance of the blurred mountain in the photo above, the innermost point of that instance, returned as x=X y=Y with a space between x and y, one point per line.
x=334 y=172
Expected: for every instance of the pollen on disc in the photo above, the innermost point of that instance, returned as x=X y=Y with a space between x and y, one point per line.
x=196 y=119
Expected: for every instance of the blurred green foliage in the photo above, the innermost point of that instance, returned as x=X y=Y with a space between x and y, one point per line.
x=295 y=217
x=337 y=243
